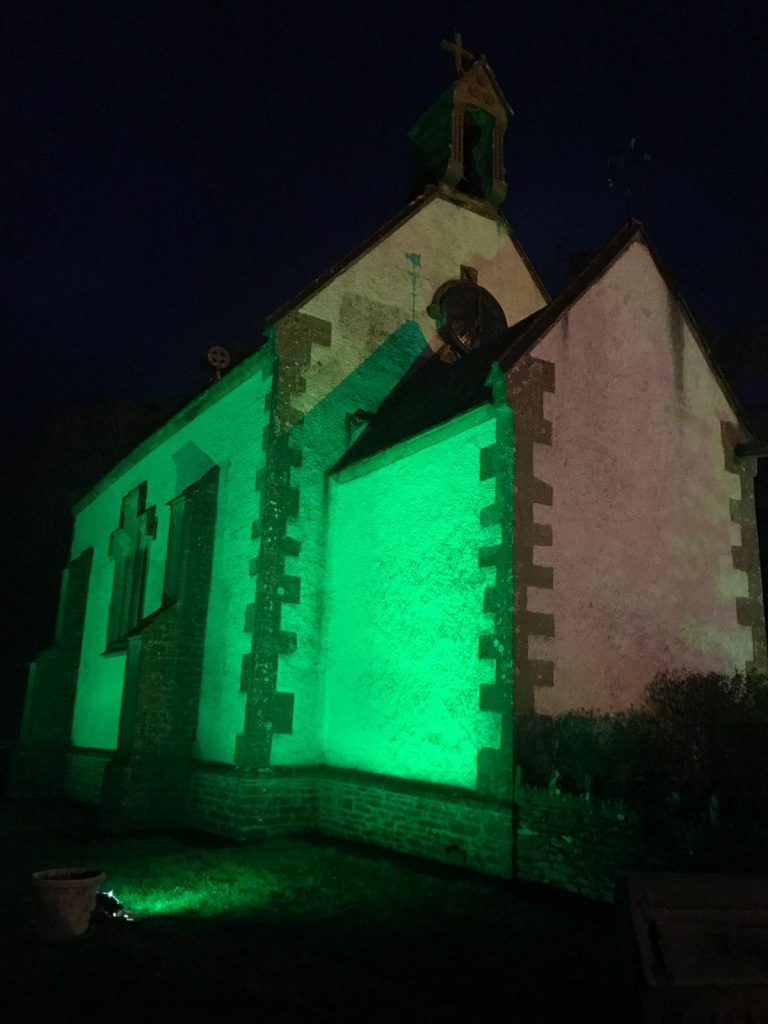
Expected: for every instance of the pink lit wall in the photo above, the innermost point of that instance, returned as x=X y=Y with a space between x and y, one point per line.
x=644 y=577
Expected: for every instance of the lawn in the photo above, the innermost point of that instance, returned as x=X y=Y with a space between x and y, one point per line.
x=298 y=930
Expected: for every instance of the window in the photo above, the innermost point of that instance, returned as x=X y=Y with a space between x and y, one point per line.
x=467 y=315
x=129 y=548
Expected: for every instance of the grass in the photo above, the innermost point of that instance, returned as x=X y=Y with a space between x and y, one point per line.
x=291 y=930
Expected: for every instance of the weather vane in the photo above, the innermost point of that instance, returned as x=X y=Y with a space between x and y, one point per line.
x=414 y=258
x=625 y=172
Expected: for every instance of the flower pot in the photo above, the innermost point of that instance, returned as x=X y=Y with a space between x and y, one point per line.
x=64 y=901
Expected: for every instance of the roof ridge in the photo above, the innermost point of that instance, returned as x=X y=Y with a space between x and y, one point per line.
x=572 y=291
x=601 y=262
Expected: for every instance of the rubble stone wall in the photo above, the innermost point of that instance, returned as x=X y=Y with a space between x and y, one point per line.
x=571 y=842
x=85 y=774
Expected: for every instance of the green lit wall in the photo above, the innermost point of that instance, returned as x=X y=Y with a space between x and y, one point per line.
x=373 y=340
x=223 y=427
x=376 y=309
x=403 y=611
x=323 y=437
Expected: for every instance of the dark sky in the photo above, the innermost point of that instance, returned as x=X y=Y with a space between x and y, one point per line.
x=176 y=171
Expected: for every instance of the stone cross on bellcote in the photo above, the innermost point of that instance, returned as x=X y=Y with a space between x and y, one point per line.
x=459 y=54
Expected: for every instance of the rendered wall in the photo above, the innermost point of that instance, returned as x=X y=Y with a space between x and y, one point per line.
x=644 y=576
x=373 y=317
x=403 y=612
x=369 y=300
x=225 y=432
x=322 y=438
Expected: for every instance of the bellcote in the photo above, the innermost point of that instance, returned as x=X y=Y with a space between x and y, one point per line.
x=459 y=141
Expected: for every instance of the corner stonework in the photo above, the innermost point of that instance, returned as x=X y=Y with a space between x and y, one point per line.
x=494 y=765
x=750 y=610
x=267 y=710
x=527 y=382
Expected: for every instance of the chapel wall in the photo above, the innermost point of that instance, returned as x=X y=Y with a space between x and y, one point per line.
x=84 y=775
x=406 y=608
x=227 y=433
x=373 y=318
x=321 y=438
x=642 y=505
x=377 y=293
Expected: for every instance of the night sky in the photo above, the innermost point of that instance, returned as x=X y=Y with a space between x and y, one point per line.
x=179 y=170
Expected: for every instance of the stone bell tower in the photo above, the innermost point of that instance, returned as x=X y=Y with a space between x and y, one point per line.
x=459 y=141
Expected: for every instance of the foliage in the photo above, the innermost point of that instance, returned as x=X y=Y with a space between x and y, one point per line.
x=698 y=744
x=601 y=754
x=710 y=735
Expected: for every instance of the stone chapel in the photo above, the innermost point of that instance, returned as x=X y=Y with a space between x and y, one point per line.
x=434 y=499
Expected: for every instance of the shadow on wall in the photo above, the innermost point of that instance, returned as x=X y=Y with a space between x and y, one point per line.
x=191 y=464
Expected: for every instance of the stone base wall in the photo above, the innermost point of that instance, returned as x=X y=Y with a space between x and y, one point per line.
x=85 y=774
x=435 y=822
x=252 y=804
x=141 y=795
x=571 y=842
x=454 y=827
x=575 y=843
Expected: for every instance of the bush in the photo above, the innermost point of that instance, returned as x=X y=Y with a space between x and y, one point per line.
x=700 y=743
x=710 y=735
x=692 y=761
x=608 y=755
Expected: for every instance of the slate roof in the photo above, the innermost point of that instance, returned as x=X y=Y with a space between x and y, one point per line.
x=433 y=392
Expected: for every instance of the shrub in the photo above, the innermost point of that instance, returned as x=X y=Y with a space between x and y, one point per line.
x=710 y=735
x=698 y=744
x=608 y=755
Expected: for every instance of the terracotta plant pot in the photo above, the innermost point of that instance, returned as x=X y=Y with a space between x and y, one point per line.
x=64 y=901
